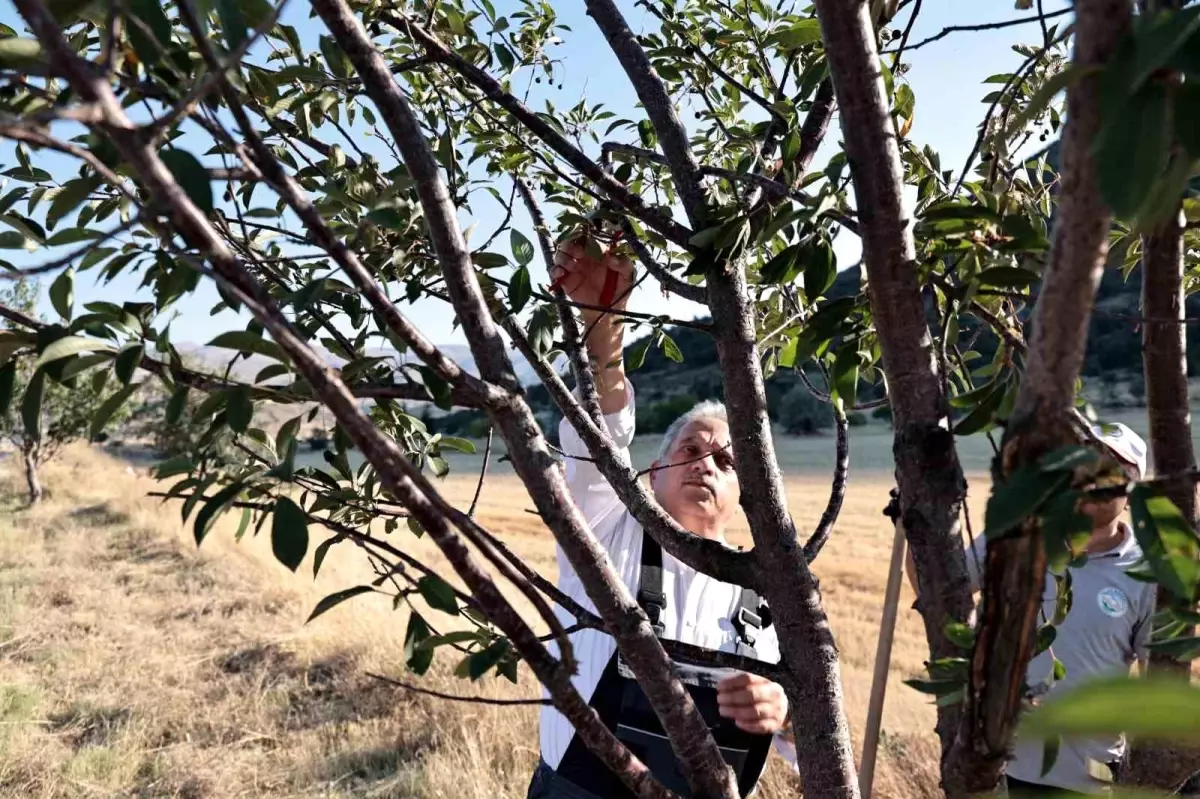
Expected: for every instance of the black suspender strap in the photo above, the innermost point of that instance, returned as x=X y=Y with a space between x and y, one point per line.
x=650 y=594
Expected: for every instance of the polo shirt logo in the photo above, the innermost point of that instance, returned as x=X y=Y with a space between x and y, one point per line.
x=1113 y=602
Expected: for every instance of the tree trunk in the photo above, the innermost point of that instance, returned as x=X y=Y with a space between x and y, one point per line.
x=927 y=469
x=1164 y=359
x=29 y=456
x=1042 y=419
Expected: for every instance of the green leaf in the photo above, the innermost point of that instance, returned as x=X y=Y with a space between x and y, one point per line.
x=458 y=444
x=8 y=386
x=337 y=598
x=233 y=23
x=519 y=290
x=1045 y=638
x=109 y=407
x=1187 y=117
x=418 y=658
x=637 y=353
x=820 y=271
x=1168 y=541
x=31 y=405
x=68 y=346
x=289 y=533
x=1050 y=753
x=321 y=551
x=480 y=663
x=239 y=409
x=1008 y=277
x=488 y=260
x=176 y=405
x=127 y=362
x=191 y=176
x=1182 y=649
x=783 y=268
x=243 y=525
x=19 y=52
x=787 y=354
x=671 y=349
x=1131 y=150
x=845 y=373
x=62 y=293
x=438 y=594
x=338 y=63
x=522 y=248
x=1019 y=497
x=960 y=634
x=73 y=193
x=149 y=30
x=1151 y=708
x=180 y=464
x=213 y=508
x=245 y=342
x=936 y=687
x=802 y=33
x=506 y=57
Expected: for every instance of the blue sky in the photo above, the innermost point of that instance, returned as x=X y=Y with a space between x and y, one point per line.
x=946 y=77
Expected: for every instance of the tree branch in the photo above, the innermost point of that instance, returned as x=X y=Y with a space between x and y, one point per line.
x=476 y=700
x=650 y=90
x=928 y=473
x=669 y=281
x=986 y=26
x=837 y=493
x=1043 y=417
x=656 y=218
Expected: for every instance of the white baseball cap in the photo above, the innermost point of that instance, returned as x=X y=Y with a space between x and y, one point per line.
x=1125 y=444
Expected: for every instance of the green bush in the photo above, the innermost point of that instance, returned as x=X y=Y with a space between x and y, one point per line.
x=658 y=417
x=883 y=412
x=856 y=419
x=800 y=413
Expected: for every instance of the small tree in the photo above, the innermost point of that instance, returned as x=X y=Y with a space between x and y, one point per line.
x=50 y=413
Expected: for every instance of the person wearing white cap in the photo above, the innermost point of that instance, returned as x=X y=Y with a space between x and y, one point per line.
x=1106 y=630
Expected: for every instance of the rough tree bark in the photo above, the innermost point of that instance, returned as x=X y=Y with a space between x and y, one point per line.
x=927 y=469
x=29 y=458
x=1164 y=361
x=1042 y=419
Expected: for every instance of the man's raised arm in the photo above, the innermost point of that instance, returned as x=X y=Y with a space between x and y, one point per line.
x=599 y=283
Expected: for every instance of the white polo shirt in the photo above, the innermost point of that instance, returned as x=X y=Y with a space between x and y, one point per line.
x=698 y=607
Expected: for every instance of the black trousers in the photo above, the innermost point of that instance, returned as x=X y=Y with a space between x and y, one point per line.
x=547 y=784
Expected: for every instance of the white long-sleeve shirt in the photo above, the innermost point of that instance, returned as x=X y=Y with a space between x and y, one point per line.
x=698 y=607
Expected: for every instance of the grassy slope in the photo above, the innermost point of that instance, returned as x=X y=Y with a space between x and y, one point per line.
x=131 y=664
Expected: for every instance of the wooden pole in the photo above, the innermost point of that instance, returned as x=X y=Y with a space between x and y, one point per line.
x=883 y=660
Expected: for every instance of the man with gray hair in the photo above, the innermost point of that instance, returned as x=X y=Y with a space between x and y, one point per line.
x=695 y=482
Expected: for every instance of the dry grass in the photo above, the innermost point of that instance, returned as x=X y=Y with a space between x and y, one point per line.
x=132 y=664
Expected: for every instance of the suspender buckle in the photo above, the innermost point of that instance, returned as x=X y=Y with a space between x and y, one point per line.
x=653 y=603
x=747 y=623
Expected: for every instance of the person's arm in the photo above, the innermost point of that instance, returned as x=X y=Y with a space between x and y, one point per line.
x=584 y=279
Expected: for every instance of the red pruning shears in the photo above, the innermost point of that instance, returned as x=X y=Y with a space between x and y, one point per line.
x=604 y=229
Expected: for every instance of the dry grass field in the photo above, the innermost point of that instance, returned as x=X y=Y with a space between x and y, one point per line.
x=132 y=664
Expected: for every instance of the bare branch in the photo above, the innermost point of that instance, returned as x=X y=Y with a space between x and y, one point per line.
x=475 y=700
x=986 y=26
x=68 y=259
x=837 y=493
x=487 y=456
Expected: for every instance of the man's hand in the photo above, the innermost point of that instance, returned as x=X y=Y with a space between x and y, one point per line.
x=583 y=278
x=587 y=280
x=754 y=703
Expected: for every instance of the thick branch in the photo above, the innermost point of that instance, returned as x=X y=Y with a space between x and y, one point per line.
x=1042 y=418
x=928 y=472
x=669 y=281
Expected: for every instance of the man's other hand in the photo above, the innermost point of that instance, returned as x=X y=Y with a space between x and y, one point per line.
x=754 y=703
x=582 y=277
